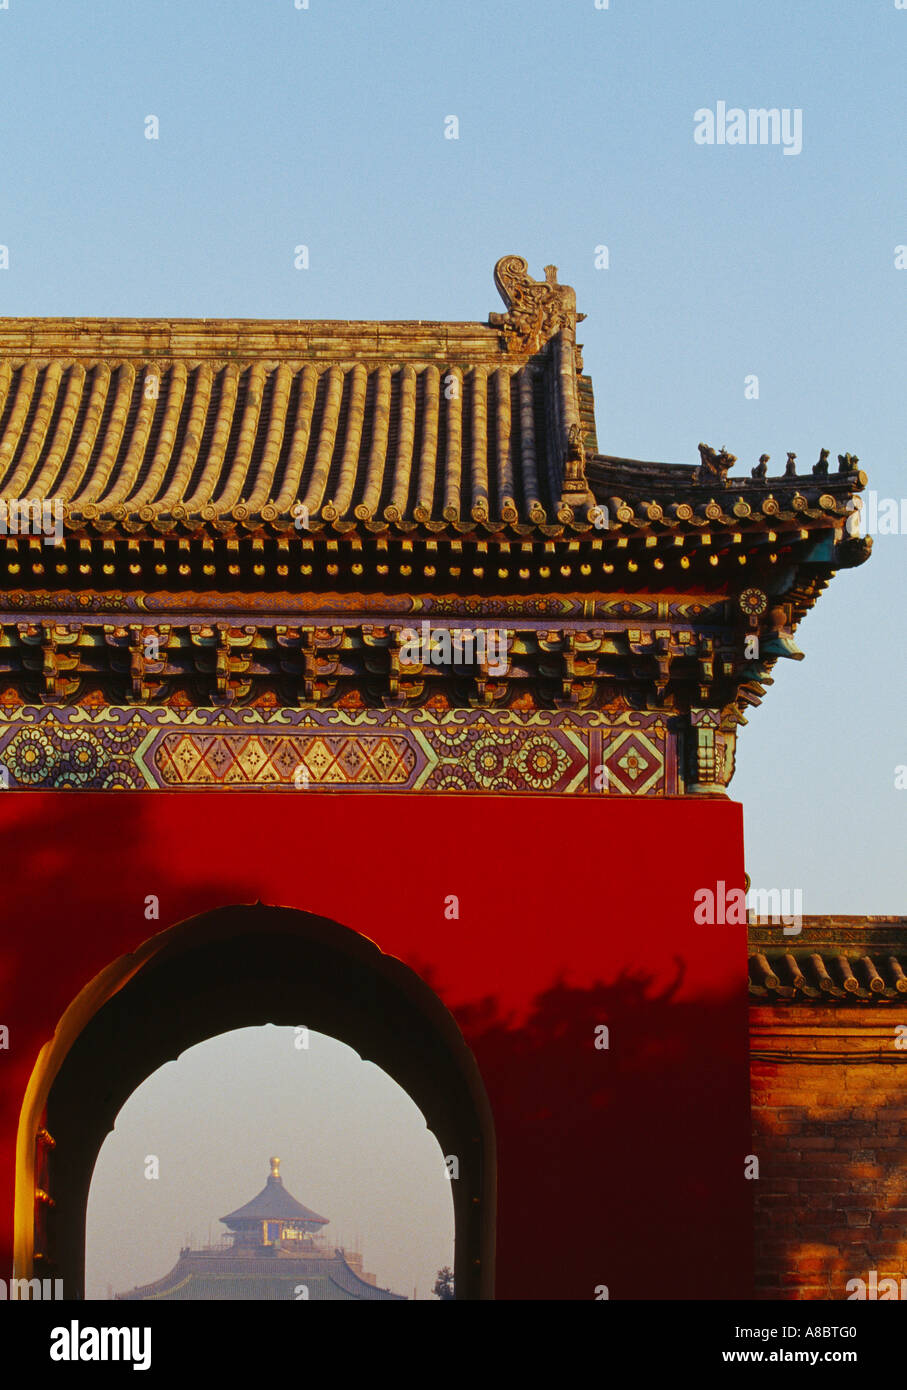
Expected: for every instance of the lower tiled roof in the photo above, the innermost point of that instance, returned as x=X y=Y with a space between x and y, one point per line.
x=201 y=1275
x=832 y=960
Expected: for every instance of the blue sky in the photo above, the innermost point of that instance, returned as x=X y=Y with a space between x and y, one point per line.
x=325 y=127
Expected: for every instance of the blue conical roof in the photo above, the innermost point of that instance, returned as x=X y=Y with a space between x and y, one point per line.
x=273 y=1203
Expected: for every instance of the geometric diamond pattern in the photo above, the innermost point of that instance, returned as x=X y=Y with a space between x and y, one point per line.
x=485 y=751
x=634 y=762
x=365 y=758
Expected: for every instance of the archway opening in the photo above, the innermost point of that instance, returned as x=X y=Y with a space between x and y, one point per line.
x=194 y=1142
x=233 y=968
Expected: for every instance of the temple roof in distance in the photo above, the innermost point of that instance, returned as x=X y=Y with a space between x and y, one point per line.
x=277 y=1251
x=273 y=1203
x=207 y=1276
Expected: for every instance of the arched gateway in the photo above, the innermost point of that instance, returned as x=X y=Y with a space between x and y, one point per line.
x=235 y=968
x=356 y=618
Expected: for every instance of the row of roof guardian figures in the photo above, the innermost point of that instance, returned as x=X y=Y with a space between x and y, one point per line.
x=35 y=516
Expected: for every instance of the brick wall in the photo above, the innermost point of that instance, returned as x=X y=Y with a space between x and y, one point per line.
x=829 y=1104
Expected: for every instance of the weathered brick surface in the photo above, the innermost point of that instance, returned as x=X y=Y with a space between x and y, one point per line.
x=829 y=1105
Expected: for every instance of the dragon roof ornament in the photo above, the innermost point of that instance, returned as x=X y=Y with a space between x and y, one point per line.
x=536 y=309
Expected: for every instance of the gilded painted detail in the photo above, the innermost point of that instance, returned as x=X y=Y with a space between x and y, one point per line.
x=373 y=759
x=559 y=752
x=72 y=758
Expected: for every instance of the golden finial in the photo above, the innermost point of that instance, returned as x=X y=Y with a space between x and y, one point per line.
x=275 y=1167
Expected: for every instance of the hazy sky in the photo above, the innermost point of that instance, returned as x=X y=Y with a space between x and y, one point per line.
x=352 y=1146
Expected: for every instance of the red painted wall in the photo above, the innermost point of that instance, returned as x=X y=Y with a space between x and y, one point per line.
x=621 y=1167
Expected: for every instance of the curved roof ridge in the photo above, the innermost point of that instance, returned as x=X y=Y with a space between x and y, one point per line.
x=273 y=1203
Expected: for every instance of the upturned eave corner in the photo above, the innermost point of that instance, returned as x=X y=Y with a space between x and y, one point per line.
x=252 y=516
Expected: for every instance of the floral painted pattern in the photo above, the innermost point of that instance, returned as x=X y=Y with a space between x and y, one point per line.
x=131 y=748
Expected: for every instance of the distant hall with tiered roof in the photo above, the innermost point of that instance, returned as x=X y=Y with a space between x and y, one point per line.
x=277 y=1253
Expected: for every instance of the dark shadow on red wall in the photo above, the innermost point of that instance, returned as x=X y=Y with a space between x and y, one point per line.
x=637 y=1150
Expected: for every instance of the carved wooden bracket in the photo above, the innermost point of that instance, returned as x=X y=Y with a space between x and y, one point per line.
x=711 y=753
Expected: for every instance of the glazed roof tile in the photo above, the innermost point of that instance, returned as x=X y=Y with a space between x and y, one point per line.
x=831 y=960
x=370 y=443
x=436 y=428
